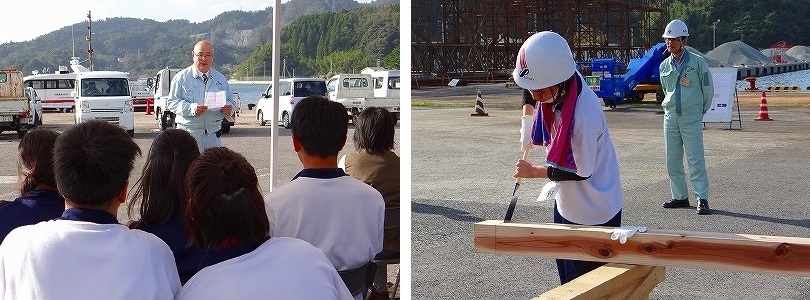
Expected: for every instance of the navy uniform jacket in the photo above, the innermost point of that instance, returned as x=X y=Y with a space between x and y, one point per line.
x=172 y=233
x=34 y=207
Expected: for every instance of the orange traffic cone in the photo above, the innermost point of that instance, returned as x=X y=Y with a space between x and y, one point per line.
x=148 y=106
x=763 y=110
x=479 y=106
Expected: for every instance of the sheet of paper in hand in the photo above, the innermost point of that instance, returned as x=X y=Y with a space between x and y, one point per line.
x=215 y=100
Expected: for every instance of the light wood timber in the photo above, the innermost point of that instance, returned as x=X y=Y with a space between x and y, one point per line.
x=611 y=281
x=704 y=250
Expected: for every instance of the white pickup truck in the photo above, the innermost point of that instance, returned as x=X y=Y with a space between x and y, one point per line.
x=356 y=92
x=15 y=103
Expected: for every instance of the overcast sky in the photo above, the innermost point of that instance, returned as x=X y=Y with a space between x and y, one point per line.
x=24 y=20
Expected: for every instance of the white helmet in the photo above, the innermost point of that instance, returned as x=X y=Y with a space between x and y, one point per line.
x=675 y=29
x=544 y=60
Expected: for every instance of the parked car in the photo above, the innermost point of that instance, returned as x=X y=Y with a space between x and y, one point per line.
x=290 y=91
x=356 y=93
x=36 y=106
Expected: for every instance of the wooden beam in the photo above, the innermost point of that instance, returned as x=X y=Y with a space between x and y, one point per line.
x=611 y=281
x=703 y=250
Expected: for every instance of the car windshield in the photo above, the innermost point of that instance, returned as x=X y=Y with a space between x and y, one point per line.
x=309 y=88
x=98 y=87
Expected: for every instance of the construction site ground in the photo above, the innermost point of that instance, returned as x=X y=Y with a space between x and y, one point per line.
x=462 y=168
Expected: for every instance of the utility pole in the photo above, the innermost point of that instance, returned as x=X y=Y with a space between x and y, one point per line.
x=714 y=34
x=73 y=41
x=89 y=39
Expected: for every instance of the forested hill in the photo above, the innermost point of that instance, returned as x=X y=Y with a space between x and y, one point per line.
x=142 y=46
x=759 y=24
x=330 y=43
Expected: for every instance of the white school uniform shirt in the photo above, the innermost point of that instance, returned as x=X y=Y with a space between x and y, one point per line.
x=599 y=198
x=65 y=259
x=342 y=216
x=281 y=268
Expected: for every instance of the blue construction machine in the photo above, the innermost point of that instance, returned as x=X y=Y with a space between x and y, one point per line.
x=615 y=85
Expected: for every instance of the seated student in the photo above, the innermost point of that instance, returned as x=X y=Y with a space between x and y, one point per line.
x=86 y=253
x=39 y=200
x=225 y=215
x=162 y=198
x=323 y=205
x=374 y=163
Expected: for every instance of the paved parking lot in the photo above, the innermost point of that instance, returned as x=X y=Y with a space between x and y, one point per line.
x=247 y=138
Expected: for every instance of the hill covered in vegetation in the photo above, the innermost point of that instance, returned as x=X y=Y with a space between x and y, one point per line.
x=143 y=46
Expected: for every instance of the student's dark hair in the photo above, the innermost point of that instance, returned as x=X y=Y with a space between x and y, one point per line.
x=374 y=131
x=225 y=203
x=92 y=163
x=35 y=161
x=320 y=125
x=159 y=190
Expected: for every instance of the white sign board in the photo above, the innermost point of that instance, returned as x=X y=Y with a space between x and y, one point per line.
x=725 y=81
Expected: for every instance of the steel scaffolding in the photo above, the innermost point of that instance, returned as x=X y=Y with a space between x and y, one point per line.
x=480 y=38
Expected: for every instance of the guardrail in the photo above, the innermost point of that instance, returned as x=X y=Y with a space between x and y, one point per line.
x=785 y=89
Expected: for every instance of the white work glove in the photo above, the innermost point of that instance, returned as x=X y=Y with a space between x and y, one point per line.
x=549 y=192
x=525 y=131
x=625 y=232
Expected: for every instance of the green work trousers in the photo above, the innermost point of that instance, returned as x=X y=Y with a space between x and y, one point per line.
x=684 y=134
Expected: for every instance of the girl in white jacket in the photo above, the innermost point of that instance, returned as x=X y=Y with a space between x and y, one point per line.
x=225 y=215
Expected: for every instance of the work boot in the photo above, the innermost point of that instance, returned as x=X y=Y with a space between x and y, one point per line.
x=676 y=203
x=703 y=207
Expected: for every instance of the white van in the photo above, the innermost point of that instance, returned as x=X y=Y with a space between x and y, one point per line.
x=104 y=95
x=386 y=82
x=356 y=93
x=291 y=90
x=161 y=87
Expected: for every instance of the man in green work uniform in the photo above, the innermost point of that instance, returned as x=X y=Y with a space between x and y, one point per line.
x=687 y=85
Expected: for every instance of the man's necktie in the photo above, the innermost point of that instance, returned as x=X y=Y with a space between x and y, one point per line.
x=205 y=78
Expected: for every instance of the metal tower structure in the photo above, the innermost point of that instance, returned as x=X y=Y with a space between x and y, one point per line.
x=479 y=38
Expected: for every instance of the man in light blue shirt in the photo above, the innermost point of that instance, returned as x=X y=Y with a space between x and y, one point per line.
x=195 y=95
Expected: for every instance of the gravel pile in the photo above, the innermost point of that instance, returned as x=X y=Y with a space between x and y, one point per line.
x=711 y=62
x=773 y=52
x=799 y=52
x=737 y=53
